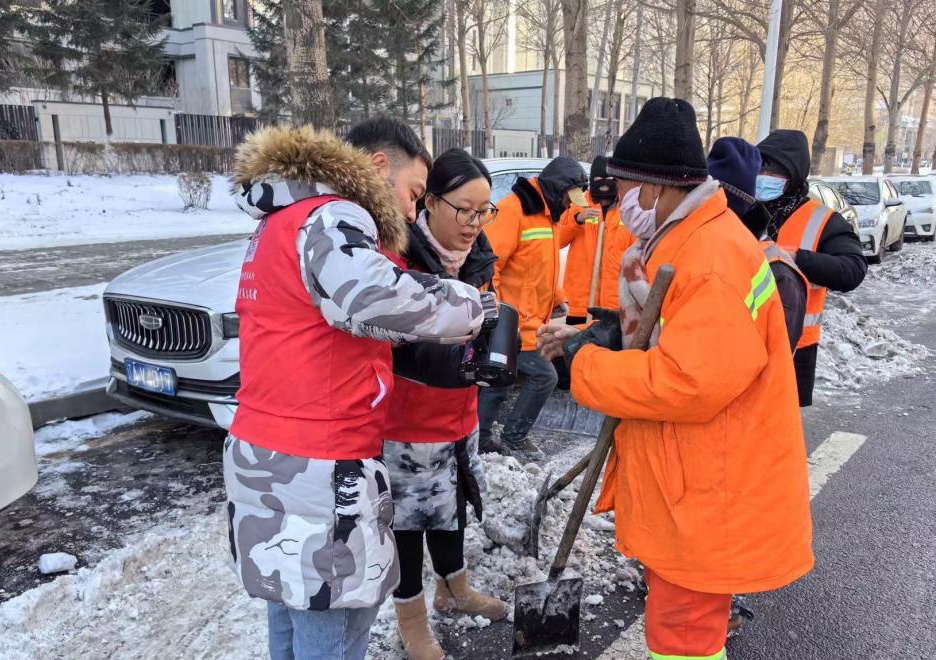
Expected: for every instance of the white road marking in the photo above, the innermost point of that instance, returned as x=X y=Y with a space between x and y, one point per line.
x=827 y=459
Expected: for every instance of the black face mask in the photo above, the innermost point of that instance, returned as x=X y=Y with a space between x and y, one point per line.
x=603 y=189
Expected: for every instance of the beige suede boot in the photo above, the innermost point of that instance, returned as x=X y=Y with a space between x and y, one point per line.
x=453 y=595
x=415 y=631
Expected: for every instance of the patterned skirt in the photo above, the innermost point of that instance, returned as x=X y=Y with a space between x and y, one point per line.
x=433 y=482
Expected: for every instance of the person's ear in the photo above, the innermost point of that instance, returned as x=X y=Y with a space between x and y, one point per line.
x=430 y=202
x=381 y=161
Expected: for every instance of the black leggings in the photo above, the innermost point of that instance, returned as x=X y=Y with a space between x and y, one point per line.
x=446 y=549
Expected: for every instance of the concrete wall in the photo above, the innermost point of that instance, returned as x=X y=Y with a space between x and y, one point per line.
x=84 y=122
x=186 y=13
x=201 y=54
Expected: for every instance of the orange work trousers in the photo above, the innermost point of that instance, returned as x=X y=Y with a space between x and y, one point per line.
x=682 y=624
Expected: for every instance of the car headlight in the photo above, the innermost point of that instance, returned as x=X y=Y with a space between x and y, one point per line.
x=867 y=223
x=230 y=326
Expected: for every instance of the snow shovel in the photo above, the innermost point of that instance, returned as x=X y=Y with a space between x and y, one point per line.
x=596 y=267
x=546 y=613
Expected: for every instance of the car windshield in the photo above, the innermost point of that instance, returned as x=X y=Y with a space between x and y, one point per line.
x=860 y=193
x=914 y=188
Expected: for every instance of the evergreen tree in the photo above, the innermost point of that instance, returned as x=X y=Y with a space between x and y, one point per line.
x=416 y=56
x=269 y=69
x=12 y=53
x=106 y=49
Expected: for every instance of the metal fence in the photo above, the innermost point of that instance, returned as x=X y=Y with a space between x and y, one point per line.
x=444 y=139
x=18 y=122
x=213 y=131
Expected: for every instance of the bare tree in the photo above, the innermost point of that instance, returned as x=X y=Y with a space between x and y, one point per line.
x=870 y=124
x=903 y=13
x=542 y=36
x=461 y=38
x=575 y=37
x=836 y=18
x=306 y=61
x=685 y=40
x=924 y=115
x=489 y=26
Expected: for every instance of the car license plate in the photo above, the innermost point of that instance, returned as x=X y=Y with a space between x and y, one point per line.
x=161 y=380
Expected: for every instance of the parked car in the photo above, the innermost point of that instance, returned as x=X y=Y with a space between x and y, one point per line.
x=822 y=192
x=881 y=214
x=173 y=332
x=18 y=472
x=918 y=193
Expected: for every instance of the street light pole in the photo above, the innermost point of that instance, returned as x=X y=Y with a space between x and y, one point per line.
x=770 y=68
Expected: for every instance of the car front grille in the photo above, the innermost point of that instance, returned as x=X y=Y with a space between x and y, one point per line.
x=158 y=330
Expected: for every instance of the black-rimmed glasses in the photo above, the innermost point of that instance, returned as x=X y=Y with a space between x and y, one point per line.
x=467 y=217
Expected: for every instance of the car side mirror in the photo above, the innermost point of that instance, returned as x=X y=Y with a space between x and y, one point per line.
x=892 y=202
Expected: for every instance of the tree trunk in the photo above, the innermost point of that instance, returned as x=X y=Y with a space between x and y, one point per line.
x=893 y=102
x=825 y=88
x=422 y=104
x=746 y=91
x=485 y=90
x=105 y=105
x=307 y=65
x=719 y=102
x=575 y=33
x=596 y=86
x=544 y=102
x=685 y=40
x=783 y=47
x=924 y=115
x=461 y=20
x=557 y=122
x=870 y=110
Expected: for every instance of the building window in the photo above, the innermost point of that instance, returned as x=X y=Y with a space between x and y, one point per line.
x=229 y=10
x=239 y=72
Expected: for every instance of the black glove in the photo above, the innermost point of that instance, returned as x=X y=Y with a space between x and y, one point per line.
x=605 y=331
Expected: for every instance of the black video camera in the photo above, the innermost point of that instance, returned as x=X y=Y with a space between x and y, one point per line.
x=490 y=360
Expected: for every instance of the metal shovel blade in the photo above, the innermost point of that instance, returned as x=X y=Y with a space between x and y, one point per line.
x=546 y=616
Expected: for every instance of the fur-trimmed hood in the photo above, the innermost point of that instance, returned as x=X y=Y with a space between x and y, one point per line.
x=278 y=166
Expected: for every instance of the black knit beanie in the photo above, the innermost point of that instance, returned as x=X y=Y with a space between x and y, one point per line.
x=663 y=146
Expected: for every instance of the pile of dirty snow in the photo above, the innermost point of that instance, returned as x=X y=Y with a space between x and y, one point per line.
x=172 y=587
x=914 y=266
x=857 y=350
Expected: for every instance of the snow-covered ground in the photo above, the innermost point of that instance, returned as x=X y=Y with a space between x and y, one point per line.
x=52 y=342
x=58 y=209
x=172 y=588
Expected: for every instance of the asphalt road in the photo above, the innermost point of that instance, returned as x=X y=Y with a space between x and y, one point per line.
x=41 y=269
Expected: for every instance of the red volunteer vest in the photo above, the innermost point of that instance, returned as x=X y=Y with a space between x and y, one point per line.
x=307 y=389
x=420 y=413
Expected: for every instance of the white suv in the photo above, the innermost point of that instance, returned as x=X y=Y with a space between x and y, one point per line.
x=173 y=332
x=881 y=214
x=919 y=195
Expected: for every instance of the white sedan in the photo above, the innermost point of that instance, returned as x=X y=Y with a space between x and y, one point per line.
x=18 y=471
x=881 y=214
x=172 y=329
x=919 y=195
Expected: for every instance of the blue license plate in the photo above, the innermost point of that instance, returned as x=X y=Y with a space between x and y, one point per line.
x=161 y=380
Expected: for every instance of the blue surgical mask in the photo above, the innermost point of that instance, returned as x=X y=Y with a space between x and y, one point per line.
x=769 y=187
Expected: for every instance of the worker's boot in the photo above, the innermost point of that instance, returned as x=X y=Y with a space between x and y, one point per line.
x=738 y=614
x=453 y=595
x=413 y=625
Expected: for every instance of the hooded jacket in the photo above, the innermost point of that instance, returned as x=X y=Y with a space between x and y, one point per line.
x=309 y=505
x=525 y=239
x=837 y=263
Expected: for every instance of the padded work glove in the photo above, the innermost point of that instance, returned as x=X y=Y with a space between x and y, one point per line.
x=605 y=331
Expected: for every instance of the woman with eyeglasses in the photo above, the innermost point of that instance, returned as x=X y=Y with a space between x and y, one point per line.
x=431 y=446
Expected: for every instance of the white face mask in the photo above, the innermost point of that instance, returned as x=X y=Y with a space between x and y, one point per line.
x=641 y=223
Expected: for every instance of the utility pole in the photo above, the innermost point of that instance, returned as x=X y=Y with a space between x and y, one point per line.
x=632 y=110
x=770 y=69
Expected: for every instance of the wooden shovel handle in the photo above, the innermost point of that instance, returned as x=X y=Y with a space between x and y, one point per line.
x=596 y=267
x=648 y=318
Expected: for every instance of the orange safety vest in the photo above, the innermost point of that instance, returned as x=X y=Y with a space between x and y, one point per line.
x=802 y=231
x=775 y=253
